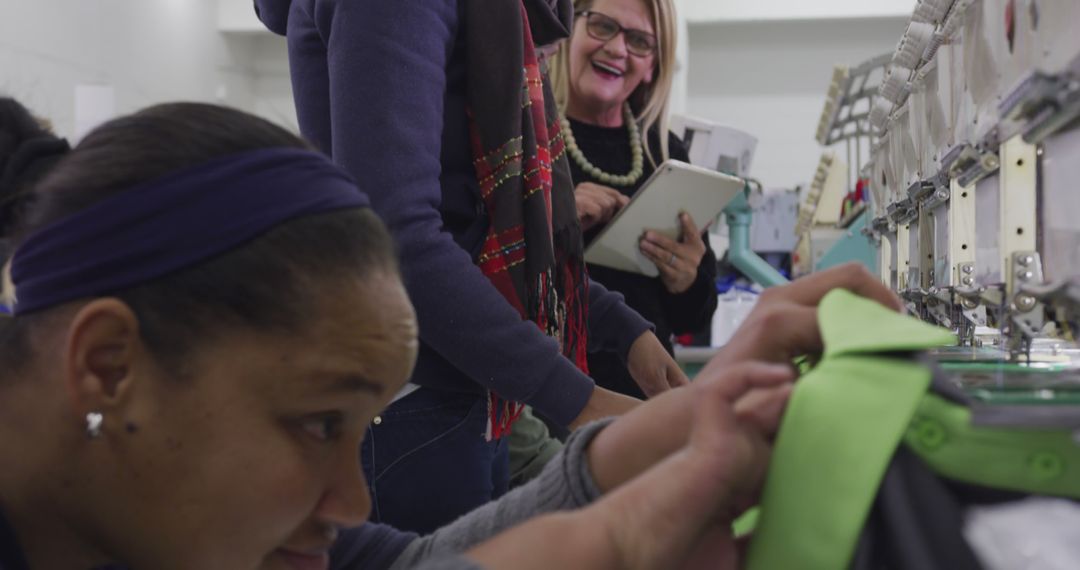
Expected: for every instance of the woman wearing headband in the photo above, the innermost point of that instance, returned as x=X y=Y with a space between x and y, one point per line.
x=207 y=317
x=174 y=379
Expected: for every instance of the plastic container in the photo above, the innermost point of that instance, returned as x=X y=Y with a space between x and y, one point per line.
x=732 y=308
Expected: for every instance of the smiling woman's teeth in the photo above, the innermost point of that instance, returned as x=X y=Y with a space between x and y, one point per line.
x=607 y=69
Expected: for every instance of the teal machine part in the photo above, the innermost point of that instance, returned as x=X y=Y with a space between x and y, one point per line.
x=739 y=215
x=854 y=246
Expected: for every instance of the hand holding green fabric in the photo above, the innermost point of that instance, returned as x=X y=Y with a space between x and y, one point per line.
x=677 y=510
x=783 y=325
x=841 y=427
x=677 y=469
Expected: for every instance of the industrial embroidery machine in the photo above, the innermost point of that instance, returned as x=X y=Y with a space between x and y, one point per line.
x=974 y=215
x=975 y=174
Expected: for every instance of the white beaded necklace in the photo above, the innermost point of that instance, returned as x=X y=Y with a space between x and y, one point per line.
x=637 y=164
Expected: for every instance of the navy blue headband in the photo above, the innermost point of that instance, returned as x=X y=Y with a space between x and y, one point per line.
x=174 y=222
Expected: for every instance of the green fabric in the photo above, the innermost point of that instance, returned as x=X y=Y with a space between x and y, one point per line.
x=841 y=428
x=531 y=448
x=853 y=325
x=839 y=432
x=1031 y=461
x=746 y=523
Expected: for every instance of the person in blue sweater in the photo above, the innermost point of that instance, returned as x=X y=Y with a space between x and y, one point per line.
x=441 y=110
x=207 y=316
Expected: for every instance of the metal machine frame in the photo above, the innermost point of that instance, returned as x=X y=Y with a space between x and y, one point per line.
x=974 y=90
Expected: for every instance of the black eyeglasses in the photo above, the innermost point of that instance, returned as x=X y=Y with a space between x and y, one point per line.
x=605 y=28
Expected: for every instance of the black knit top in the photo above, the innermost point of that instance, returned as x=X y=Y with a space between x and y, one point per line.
x=689 y=312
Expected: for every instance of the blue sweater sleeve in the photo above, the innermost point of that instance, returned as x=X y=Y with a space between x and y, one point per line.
x=387 y=78
x=370 y=546
x=613 y=325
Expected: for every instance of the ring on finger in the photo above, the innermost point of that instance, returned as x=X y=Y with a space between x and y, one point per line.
x=671 y=260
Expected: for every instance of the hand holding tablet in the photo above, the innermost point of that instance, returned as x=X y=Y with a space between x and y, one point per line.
x=674 y=188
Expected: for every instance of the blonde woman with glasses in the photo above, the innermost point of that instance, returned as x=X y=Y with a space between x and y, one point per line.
x=612 y=80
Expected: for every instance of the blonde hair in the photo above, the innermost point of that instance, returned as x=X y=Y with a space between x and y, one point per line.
x=650 y=100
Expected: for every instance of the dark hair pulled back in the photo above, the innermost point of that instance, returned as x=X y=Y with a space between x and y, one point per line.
x=267 y=284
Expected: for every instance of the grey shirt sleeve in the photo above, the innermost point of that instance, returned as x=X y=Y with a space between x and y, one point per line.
x=565 y=484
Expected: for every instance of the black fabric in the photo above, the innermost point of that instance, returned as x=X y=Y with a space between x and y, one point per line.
x=916 y=522
x=690 y=312
x=917 y=519
x=11 y=555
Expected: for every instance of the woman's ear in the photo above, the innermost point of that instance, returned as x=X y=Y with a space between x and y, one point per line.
x=99 y=356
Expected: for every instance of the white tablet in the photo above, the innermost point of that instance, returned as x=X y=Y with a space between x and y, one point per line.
x=675 y=187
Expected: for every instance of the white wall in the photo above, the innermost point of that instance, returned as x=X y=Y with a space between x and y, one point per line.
x=271 y=88
x=770 y=77
x=149 y=50
x=238 y=16
x=766 y=76
x=700 y=11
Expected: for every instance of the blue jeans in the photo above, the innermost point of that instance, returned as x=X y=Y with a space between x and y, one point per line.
x=427 y=463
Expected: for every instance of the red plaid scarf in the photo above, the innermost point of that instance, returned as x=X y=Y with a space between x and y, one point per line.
x=533 y=249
